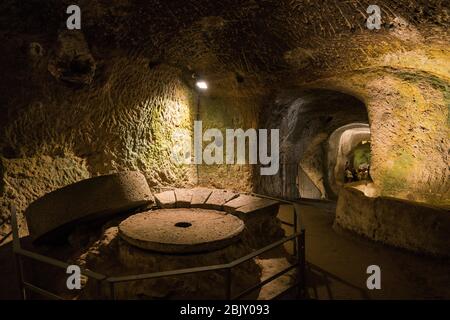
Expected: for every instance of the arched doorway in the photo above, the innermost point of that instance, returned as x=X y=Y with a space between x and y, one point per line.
x=348 y=148
x=307 y=121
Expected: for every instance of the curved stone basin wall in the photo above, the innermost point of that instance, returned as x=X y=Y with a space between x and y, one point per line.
x=113 y=256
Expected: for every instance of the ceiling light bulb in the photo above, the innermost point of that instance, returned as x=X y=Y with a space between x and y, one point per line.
x=202 y=85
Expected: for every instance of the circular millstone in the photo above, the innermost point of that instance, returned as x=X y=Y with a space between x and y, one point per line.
x=183 y=230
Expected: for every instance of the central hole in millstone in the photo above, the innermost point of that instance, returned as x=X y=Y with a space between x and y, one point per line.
x=183 y=224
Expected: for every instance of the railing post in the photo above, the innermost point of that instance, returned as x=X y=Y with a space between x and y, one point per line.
x=20 y=276
x=16 y=246
x=295 y=229
x=112 y=291
x=98 y=284
x=228 y=280
x=301 y=259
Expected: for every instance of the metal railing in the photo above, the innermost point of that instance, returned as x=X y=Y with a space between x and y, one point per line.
x=299 y=255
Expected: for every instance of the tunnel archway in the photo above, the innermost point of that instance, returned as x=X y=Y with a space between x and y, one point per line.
x=307 y=120
x=342 y=144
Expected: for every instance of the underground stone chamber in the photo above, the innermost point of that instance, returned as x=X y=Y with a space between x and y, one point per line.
x=96 y=114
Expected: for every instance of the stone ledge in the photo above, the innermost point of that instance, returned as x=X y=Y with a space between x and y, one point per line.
x=259 y=214
x=410 y=225
x=259 y=205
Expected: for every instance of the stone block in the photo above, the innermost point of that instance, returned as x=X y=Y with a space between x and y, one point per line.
x=218 y=198
x=166 y=199
x=238 y=202
x=183 y=198
x=199 y=197
x=259 y=206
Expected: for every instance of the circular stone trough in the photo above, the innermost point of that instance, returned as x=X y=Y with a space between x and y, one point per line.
x=182 y=230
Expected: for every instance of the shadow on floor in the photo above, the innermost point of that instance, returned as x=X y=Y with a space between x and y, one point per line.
x=320 y=279
x=344 y=258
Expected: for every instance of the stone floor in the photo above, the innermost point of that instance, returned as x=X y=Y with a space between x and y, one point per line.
x=337 y=263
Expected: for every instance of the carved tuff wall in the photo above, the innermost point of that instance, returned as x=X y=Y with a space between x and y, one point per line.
x=71 y=123
x=108 y=98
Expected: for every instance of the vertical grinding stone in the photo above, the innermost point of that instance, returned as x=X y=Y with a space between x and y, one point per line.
x=52 y=215
x=218 y=198
x=166 y=199
x=183 y=198
x=199 y=197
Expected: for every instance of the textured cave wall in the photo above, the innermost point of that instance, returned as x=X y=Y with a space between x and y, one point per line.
x=26 y=179
x=412 y=160
x=68 y=126
x=403 y=78
x=126 y=123
x=86 y=111
x=228 y=112
x=108 y=99
x=409 y=122
x=312 y=163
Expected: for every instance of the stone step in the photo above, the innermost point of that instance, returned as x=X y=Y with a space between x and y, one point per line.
x=199 y=197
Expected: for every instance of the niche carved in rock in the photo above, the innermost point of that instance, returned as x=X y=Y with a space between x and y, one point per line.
x=71 y=60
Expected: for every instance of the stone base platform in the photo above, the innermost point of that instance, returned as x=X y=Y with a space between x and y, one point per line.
x=113 y=256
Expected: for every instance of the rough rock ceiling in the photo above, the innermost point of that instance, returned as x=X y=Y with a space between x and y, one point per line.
x=245 y=41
